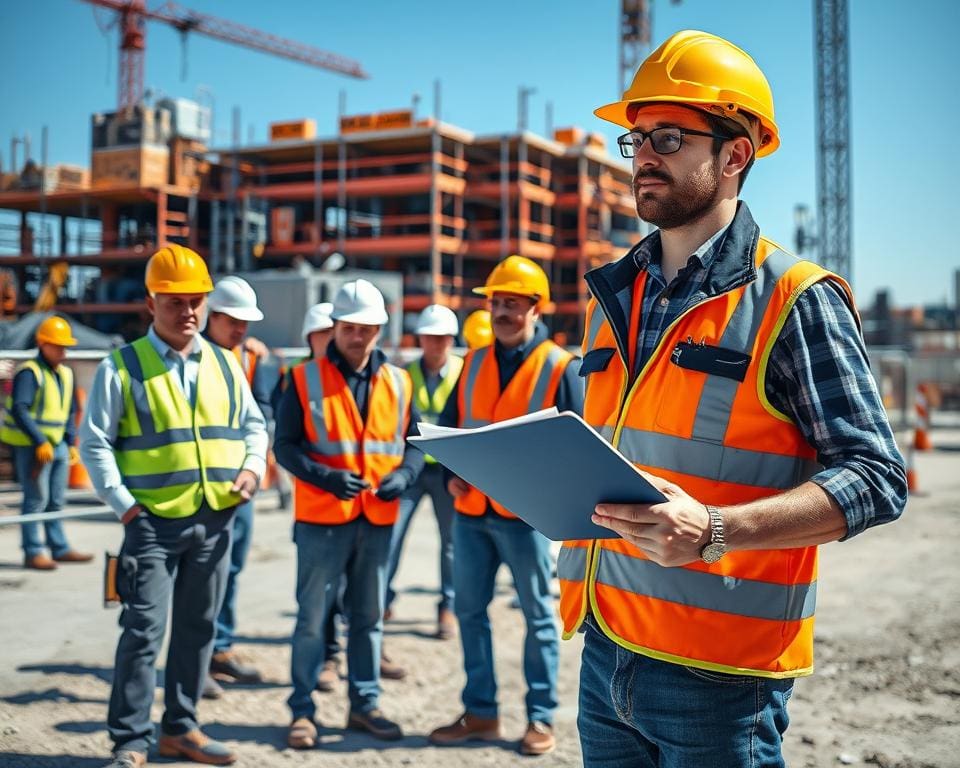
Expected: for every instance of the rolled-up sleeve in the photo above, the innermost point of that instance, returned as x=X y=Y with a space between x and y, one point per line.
x=98 y=433
x=819 y=375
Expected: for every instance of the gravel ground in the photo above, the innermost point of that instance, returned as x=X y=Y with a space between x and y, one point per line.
x=885 y=693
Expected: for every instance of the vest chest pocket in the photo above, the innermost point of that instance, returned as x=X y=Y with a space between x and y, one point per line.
x=595 y=361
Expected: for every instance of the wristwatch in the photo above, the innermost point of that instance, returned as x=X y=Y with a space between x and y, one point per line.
x=714 y=549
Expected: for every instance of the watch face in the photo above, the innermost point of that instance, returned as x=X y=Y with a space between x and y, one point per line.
x=711 y=553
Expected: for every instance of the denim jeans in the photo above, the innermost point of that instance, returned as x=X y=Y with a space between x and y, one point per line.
x=481 y=544
x=227 y=618
x=185 y=559
x=639 y=712
x=43 y=491
x=325 y=553
x=430 y=483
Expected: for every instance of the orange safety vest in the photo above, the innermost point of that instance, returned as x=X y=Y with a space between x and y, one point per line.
x=248 y=362
x=532 y=388
x=724 y=443
x=338 y=437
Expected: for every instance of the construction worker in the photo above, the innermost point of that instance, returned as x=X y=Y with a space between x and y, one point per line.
x=39 y=423
x=174 y=442
x=736 y=376
x=434 y=376
x=477 y=331
x=341 y=429
x=522 y=372
x=232 y=307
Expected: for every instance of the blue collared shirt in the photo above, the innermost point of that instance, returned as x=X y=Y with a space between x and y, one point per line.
x=105 y=406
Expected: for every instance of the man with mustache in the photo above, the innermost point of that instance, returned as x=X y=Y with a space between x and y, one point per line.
x=522 y=372
x=341 y=432
x=174 y=442
x=735 y=376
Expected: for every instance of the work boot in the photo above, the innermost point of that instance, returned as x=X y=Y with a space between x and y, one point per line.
x=389 y=670
x=39 y=562
x=465 y=728
x=446 y=624
x=374 y=723
x=538 y=740
x=72 y=556
x=211 y=688
x=228 y=664
x=196 y=746
x=329 y=676
x=302 y=734
x=128 y=758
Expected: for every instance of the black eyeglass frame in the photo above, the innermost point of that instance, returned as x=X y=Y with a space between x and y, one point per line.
x=624 y=143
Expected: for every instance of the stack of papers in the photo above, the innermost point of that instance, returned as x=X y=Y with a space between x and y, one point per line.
x=548 y=468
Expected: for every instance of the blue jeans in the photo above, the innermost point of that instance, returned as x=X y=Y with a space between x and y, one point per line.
x=227 y=618
x=325 y=553
x=43 y=491
x=639 y=712
x=481 y=544
x=185 y=559
x=430 y=483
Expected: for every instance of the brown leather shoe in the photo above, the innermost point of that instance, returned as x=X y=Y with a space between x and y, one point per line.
x=389 y=669
x=302 y=734
x=374 y=723
x=467 y=727
x=39 y=562
x=127 y=758
x=228 y=664
x=446 y=624
x=538 y=740
x=72 y=556
x=329 y=676
x=195 y=746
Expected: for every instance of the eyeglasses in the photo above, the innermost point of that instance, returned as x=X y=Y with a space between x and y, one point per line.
x=665 y=141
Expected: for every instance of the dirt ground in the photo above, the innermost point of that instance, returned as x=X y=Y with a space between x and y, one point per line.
x=886 y=692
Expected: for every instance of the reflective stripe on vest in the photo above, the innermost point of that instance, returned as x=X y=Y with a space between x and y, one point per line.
x=248 y=363
x=431 y=407
x=532 y=388
x=337 y=437
x=172 y=455
x=49 y=410
x=721 y=440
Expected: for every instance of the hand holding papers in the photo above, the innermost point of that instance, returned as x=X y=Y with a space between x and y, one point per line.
x=550 y=469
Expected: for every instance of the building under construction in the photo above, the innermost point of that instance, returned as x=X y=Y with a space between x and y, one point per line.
x=429 y=201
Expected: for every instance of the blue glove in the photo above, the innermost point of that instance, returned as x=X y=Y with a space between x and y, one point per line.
x=392 y=486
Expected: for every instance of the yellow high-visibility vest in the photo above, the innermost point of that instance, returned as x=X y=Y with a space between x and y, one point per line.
x=431 y=407
x=50 y=408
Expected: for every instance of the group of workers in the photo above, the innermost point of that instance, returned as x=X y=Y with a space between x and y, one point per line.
x=729 y=372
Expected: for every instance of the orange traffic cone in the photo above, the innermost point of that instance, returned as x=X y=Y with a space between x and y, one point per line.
x=77 y=476
x=912 y=485
x=921 y=435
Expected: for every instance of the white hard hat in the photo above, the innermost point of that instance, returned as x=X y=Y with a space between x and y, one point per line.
x=437 y=320
x=317 y=318
x=233 y=296
x=359 y=302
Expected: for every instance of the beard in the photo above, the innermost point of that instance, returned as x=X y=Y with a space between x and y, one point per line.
x=680 y=203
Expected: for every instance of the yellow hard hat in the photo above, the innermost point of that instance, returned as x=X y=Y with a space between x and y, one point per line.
x=175 y=269
x=478 y=330
x=55 y=330
x=708 y=72
x=518 y=274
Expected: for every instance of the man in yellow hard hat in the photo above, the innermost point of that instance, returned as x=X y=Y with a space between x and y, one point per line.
x=174 y=442
x=39 y=423
x=522 y=372
x=735 y=375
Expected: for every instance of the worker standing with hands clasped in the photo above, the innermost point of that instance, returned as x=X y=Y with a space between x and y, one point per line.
x=735 y=375
x=39 y=423
x=434 y=377
x=523 y=372
x=232 y=307
x=174 y=442
x=341 y=431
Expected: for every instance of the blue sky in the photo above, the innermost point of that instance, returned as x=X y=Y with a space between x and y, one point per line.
x=59 y=69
